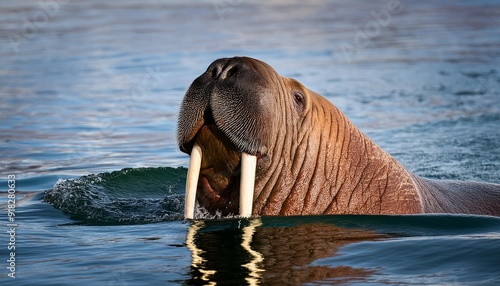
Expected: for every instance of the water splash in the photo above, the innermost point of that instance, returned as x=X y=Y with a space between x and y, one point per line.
x=129 y=196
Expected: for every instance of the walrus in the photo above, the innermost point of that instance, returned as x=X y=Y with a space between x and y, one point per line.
x=263 y=144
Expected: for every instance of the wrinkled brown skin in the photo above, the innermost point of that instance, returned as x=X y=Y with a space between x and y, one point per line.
x=311 y=158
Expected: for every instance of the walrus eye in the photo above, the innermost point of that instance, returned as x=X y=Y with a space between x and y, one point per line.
x=299 y=101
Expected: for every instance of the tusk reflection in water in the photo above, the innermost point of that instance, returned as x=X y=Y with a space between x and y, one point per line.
x=223 y=250
x=257 y=258
x=197 y=260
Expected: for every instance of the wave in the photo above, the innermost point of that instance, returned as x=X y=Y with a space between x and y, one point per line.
x=128 y=196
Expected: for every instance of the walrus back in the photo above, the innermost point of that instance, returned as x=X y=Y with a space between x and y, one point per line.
x=460 y=197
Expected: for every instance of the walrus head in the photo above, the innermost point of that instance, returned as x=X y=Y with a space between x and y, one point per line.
x=230 y=113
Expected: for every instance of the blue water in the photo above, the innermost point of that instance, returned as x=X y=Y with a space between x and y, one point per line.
x=89 y=97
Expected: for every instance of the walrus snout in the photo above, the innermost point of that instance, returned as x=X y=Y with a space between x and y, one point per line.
x=231 y=94
x=225 y=105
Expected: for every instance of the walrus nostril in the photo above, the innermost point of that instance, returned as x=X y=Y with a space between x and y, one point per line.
x=226 y=68
x=230 y=70
x=217 y=67
x=216 y=70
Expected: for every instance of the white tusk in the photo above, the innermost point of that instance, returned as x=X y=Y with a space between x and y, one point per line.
x=248 y=166
x=192 y=181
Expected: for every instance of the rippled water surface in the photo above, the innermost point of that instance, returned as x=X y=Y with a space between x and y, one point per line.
x=89 y=97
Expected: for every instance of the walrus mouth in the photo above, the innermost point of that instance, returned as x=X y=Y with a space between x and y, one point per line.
x=217 y=174
x=248 y=165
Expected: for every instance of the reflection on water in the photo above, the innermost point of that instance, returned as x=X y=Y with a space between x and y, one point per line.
x=253 y=266
x=198 y=261
x=249 y=252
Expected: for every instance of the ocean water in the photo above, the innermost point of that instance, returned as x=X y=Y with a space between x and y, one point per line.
x=89 y=97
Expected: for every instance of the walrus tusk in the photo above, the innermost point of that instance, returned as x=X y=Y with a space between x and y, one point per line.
x=247 y=181
x=192 y=181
